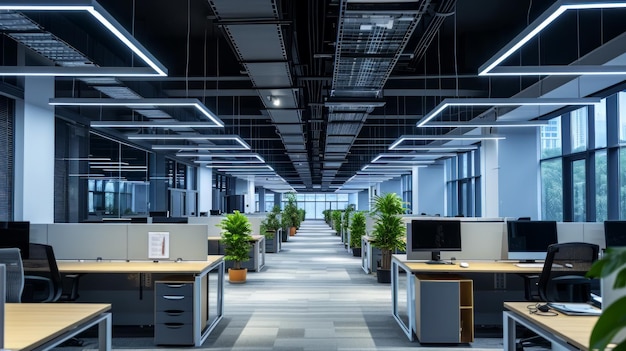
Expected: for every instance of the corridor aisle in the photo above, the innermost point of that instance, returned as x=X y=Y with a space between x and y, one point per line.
x=313 y=295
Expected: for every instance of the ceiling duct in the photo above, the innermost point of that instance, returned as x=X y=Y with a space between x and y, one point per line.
x=254 y=30
x=370 y=39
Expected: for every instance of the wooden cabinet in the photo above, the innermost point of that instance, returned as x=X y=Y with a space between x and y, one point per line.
x=444 y=309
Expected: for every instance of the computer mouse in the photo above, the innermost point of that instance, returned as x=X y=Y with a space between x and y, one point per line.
x=464 y=264
x=179 y=260
x=569 y=265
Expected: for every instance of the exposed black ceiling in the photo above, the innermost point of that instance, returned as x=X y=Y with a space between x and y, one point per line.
x=197 y=40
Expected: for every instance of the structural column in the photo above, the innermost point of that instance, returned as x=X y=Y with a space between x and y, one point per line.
x=249 y=198
x=34 y=152
x=205 y=189
x=489 y=170
x=414 y=186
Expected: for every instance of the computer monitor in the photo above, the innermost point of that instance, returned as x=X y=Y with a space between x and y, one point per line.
x=433 y=236
x=159 y=213
x=615 y=233
x=16 y=234
x=529 y=240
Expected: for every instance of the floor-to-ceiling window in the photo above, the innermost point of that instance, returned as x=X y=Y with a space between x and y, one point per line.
x=463 y=184
x=583 y=163
x=315 y=203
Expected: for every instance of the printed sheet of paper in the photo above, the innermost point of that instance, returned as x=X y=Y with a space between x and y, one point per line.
x=158 y=245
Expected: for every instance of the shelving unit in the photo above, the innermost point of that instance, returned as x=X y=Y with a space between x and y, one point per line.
x=452 y=320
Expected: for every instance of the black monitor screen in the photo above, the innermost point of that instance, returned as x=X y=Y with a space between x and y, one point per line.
x=529 y=240
x=615 y=233
x=435 y=235
x=15 y=234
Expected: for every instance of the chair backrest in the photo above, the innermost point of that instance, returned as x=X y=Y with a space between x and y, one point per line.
x=12 y=259
x=42 y=280
x=563 y=276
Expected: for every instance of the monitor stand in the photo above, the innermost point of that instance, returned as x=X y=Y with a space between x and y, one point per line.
x=436 y=258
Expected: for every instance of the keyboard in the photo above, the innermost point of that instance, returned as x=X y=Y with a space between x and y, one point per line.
x=536 y=265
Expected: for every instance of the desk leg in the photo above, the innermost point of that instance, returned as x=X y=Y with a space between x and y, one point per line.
x=199 y=335
x=509 y=336
x=395 y=286
x=104 y=333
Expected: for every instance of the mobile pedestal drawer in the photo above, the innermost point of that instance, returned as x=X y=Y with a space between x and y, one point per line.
x=173 y=317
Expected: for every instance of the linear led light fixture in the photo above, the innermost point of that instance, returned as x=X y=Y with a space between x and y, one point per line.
x=241 y=145
x=399 y=162
x=492 y=102
x=437 y=148
x=215 y=157
x=547 y=17
x=171 y=137
x=424 y=155
x=226 y=162
x=131 y=103
x=480 y=124
x=99 y=14
x=376 y=167
x=395 y=144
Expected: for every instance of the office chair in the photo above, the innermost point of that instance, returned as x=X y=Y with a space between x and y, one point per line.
x=43 y=281
x=12 y=259
x=563 y=278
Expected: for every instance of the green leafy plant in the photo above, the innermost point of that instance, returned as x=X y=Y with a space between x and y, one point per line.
x=290 y=217
x=236 y=238
x=612 y=320
x=347 y=214
x=389 y=230
x=301 y=216
x=357 y=229
x=271 y=223
x=327 y=216
x=336 y=216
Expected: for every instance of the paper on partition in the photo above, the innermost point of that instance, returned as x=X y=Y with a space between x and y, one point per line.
x=158 y=245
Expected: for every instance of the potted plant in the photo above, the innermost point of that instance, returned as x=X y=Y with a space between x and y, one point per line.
x=301 y=216
x=357 y=230
x=336 y=216
x=345 y=226
x=389 y=231
x=611 y=321
x=269 y=228
x=327 y=217
x=290 y=214
x=236 y=239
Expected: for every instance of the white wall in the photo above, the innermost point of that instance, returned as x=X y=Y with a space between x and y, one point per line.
x=519 y=173
x=391 y=186
x=363 y=203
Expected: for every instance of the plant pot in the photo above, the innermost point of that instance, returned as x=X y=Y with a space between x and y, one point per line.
x=356 y=251
x=292 y=231
x=284 y=235
x=237 y=276
x=383 y=275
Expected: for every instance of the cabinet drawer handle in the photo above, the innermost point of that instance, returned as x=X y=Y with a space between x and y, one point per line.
x=174 y=312
x=174 y=325
x=173 y=297
x=175 y=285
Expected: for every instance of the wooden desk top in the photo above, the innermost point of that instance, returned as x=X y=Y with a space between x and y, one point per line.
x=474 y=267
x=576 y=330
x=185 y=267
x=29 y=325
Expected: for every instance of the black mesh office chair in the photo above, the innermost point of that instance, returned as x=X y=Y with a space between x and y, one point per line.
x=12 y=259
x=563 y=276
x=43 y=281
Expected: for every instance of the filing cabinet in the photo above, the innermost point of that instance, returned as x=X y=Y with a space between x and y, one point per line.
x=174 y=316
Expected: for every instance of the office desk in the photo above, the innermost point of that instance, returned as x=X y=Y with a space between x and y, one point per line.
x=399 y=262
x=204 y=322
x=569 y=332
x=41 y=326
x=257 y=253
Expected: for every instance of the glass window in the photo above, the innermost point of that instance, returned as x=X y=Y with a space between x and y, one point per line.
x=622 y=183
x=622 y=117
x=601 y=186
x=551 y=138
x=578 y=129
x=599 y=122
x=552 y=190
x=579 y=194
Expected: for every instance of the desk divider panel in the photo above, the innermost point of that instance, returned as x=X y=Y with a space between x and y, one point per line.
x=569 y=231
x=593 y=232
x=481 y=240
x=211 y=222
x=39 y=233
x=186 y=241
x=88 y=241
